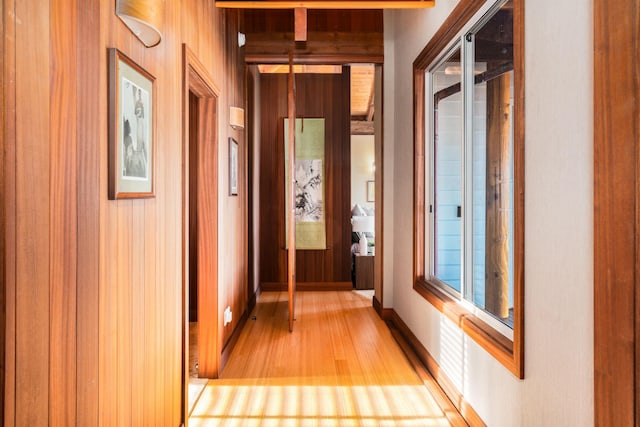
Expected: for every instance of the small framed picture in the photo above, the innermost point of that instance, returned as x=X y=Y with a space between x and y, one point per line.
x=371 y=191
x=131 y=128
x=233 y=167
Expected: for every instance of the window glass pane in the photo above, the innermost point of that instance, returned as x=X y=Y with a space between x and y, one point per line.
x=492 y=165
x=448 y=158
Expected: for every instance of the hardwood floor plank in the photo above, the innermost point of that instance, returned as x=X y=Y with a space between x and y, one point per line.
x=340 y=366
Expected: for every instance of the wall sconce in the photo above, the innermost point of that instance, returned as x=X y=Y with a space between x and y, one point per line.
x=236 y=117
x=143 y=17
x=242 y=39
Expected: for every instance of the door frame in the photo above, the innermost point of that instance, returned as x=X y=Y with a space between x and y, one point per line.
x=616 y=213
x=252 y=88
x=196 y=80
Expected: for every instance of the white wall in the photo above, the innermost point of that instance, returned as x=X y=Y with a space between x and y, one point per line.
x=362 y=168
x=558 y=385
x=388 y=160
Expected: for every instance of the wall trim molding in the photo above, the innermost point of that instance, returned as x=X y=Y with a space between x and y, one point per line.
x=307 y=286
x=456 y=399
x=253 y=300
x=377 y=306
x=197 y=80
x=233 y=339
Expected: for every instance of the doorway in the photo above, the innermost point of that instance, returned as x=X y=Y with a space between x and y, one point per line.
x=316 y=86
x=200 y=349
x=362 y=177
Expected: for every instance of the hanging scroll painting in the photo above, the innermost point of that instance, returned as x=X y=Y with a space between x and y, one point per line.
x=309 y=183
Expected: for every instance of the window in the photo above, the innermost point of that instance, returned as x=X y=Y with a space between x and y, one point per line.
x=469 y=174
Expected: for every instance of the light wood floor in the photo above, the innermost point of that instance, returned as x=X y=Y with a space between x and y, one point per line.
x=340 y=367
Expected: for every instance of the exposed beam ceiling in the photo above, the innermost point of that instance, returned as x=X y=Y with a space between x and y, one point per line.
x=299 y=69
x=320 y=48
x=335 y=37
x=361 y=128
x=326 y=4
x=361 y=90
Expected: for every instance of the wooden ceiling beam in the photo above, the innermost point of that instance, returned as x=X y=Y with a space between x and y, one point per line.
x=370 y=110
x=320 y=48
x=361 y=128
x=325 y=4
x=316 y=59
x=300 y=24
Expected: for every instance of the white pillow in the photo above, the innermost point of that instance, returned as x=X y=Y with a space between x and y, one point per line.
x=358 y=211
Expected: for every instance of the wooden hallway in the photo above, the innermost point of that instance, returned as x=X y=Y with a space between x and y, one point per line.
x=340 y=367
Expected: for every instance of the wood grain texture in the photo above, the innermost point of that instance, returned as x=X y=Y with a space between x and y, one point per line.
x=124 y=264
x=462 y=13
x=307 y=286
x=253 y=179
x=616 y=202
x=327 y=4
x=356 y=21
x=63 y=214
x=93 y=290
x=333 y=36
x=449 y=398
x=498 y=171
x=364 y=272
x=509 y=353
x=4 y=215
x=8 y=213
x=88 y=201
x=300 y=24
x=419 y=172
x=324 y=96
x=137 y=346
x=205 y=165
x=290 y=186
x=341 y=365
x=233 y=212
x=518 y=183
x=378 y=121
x=32 y=214
x=319 y=48
x=208 y=244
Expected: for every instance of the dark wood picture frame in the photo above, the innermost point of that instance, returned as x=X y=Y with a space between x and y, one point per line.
x=233 y=167
x=131 y=128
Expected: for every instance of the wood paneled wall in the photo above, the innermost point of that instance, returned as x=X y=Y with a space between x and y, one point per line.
x=318 y=20
x=333 y=36
x=93 y=287
x=317 y=96
x=616 y=214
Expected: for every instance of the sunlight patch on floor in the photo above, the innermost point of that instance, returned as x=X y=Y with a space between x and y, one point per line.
x=282 y=402
x=196 y=387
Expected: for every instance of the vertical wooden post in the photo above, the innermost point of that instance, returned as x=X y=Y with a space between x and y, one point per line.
x=616 y=213
x=291 y=219
x=497 y=196
x=300 y=24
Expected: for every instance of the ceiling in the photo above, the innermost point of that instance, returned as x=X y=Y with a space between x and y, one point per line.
x=362 y=84
x=362 y=87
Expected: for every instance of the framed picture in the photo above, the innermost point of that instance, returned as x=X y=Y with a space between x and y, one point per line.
x=131 y=128
x=371 y=191
x=233 y=167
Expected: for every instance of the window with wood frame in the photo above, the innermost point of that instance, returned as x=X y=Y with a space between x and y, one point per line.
x=469 y=191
